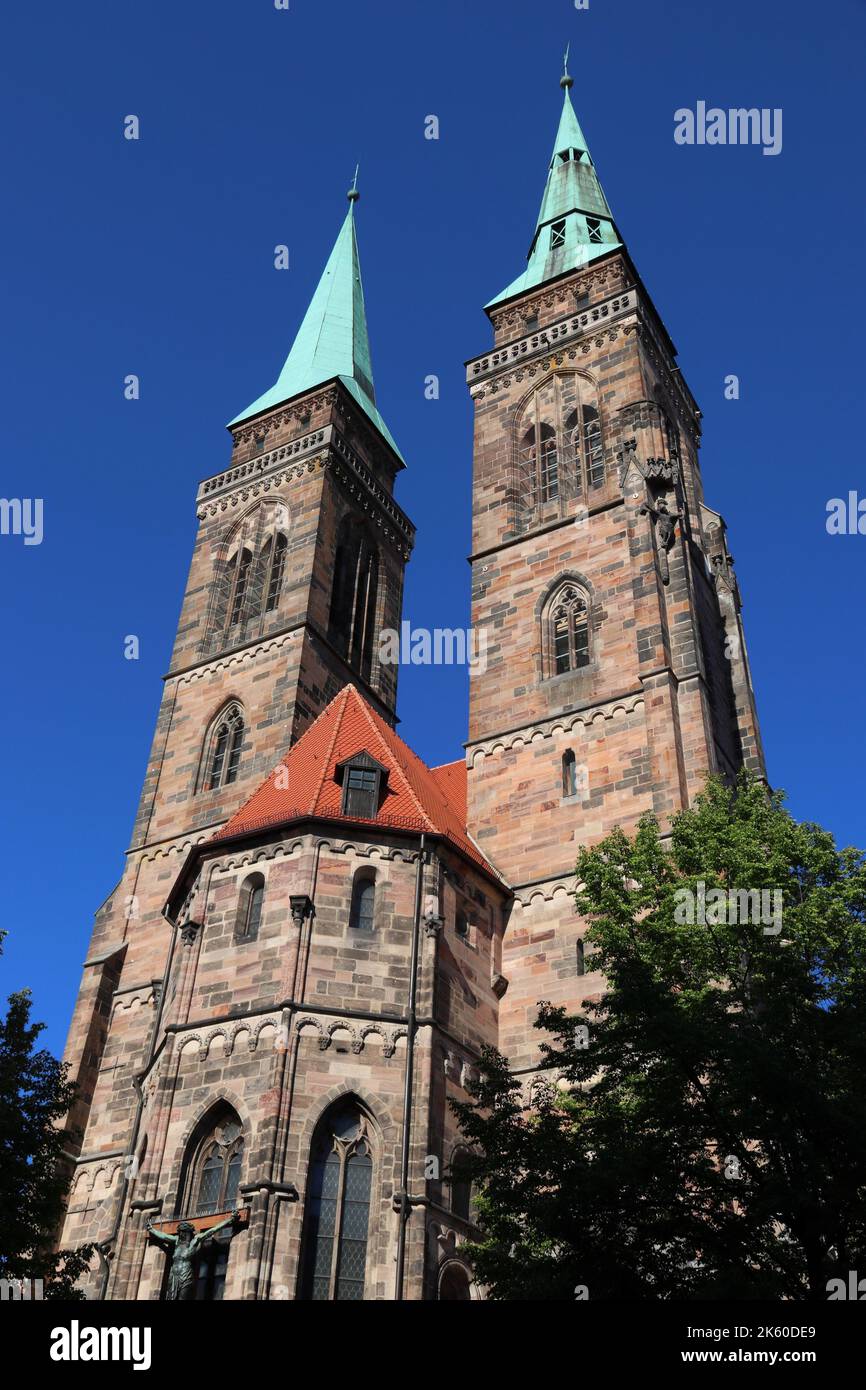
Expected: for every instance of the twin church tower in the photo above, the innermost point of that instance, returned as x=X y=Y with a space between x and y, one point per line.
x=315 y=933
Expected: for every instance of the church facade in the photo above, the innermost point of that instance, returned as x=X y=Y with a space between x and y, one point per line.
x=315 y=934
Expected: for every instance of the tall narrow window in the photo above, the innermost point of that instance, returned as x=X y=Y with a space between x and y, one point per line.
x=581 y=958
x=593 y=226
x=241 y=580
x=250 y=902
x=362 y=911
x=593 y=453
x=557 y=234
x=569 y=773
x=338 y=1207
x=584 y=435
x=354 y=596
x=461 y=1185
x=549 y=471
x=226 y=742
x=343 y=591
x=212 y=1173
x=364 y=617
x=568 y=636
x=279 y=550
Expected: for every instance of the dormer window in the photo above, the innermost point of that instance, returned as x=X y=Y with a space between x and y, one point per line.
x=557 y=234
x=363 y=780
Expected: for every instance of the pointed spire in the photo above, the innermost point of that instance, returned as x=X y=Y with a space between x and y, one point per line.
x=575 y=224
x=332 y=340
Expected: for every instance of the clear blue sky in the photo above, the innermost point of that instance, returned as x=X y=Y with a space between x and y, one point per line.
x=156 y=258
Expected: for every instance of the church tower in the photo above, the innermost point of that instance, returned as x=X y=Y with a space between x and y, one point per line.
x=616 y=673
x=298 y=563
x=316 y=935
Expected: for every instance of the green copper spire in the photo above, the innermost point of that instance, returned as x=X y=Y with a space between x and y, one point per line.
x=575 y=224
x=332 y=340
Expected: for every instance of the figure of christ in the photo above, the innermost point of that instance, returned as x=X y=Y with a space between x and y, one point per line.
x=183 y=1249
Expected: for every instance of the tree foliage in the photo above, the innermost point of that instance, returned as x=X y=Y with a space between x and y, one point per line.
x=35 y=1094
x=697 y=1131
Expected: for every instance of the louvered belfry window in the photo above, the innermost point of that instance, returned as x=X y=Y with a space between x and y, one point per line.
x=338 y=1208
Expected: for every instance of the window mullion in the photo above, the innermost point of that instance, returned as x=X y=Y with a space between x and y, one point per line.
x=338 y=1223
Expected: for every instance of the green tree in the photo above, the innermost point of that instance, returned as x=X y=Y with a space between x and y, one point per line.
x=35 y=1094
x=698 y=1130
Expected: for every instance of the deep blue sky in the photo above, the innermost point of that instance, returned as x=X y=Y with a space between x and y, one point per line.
x=156 y=258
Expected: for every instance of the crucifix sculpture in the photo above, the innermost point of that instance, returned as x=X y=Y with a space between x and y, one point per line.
x=183 y=1249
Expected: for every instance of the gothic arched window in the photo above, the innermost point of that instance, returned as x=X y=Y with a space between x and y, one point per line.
x=362 y=911
x=566 y=638
x=276 y=564
x=224 y=748
x=212 y=1172
x=364 y=620
x=354 y=595
x=250 y=902
x=559 y=448
x=249 y=578
x=242 y=579
x=337 y=1219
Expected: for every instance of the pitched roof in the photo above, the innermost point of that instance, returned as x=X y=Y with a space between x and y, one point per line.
x=332 y=340
x=303 y=785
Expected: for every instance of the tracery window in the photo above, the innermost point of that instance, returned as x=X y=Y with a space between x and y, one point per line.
x=212 y=1170
x=560 y=453
x=224 y=748
x=567 y=635
x=249 y=576
x=338 y=1206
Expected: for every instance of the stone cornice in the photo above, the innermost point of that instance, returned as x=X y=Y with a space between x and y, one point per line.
x=568 y=330
x=248 y=475
x=321 y=449
x=564 y=723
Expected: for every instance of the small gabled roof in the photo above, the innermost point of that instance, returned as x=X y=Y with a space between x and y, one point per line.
x=304 y=784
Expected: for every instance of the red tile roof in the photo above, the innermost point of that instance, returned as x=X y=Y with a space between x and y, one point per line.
x=416 y=798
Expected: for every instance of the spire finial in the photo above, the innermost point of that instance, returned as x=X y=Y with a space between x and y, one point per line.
x=566 y=81
x=353 y=195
